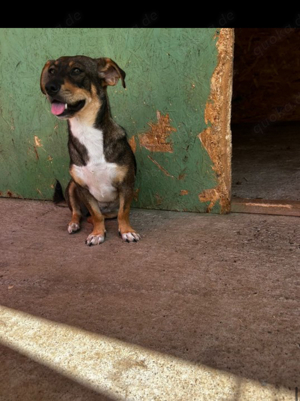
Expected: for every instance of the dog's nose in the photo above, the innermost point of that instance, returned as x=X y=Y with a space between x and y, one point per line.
x=52 y=88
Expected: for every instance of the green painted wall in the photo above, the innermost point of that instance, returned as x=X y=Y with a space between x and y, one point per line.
x=168 y=70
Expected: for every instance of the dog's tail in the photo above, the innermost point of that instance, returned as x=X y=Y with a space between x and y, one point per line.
x=58 y=196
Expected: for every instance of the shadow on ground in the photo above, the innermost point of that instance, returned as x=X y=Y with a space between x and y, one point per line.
x=25 y=380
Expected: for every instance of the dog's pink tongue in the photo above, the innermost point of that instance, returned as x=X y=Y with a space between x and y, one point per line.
x=57 y=108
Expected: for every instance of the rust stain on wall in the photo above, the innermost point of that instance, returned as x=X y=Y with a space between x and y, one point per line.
x=11 y=194
x=158 y=198
x=160 y=167
x=156 y=138
x=36 y=153
x=136 y=194
x=216 y=138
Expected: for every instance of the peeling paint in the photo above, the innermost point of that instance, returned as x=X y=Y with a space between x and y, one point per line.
x=216 y=138
x=156 y=138
x=37 y=141
x=209 y=195
x=160 y=167
x=132 y=143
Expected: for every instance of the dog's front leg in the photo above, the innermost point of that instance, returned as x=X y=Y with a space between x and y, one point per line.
x=97 y=236
x=74 y=205
x=127 y=233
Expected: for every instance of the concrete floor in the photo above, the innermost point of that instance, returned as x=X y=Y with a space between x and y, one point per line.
x=266 y=161
x=218 y=296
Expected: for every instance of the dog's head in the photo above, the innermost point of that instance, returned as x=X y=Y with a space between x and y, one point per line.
x=73 y=84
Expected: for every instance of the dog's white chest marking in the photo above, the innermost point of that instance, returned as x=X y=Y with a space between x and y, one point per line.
x=98 y=174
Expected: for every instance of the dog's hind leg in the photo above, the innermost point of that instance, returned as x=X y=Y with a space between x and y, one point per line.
x=74 y=205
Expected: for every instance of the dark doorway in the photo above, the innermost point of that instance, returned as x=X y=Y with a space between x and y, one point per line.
x=266 y=115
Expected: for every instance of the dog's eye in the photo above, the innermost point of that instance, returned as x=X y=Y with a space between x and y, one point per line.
x=51 y=70
x=76 y=71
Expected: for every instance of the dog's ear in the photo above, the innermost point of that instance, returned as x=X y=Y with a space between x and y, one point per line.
x=110 y=72
x=43 y=74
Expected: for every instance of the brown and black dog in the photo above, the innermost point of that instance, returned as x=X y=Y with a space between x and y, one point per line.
x=102 y=164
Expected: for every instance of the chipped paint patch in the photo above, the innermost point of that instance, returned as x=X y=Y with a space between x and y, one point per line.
x=37 y=141
x=160 y=167
x=156 y=139
x=216 y=138
x=183 y=192
x=132 y=143
x=209 y=195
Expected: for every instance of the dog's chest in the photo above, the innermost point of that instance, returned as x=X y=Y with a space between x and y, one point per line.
x=98 y=175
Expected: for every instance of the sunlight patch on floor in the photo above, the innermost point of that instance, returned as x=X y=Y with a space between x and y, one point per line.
x=124 y=371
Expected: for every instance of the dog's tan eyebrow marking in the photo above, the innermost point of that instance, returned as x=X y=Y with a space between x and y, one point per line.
x=71 y=63
x=56 y=62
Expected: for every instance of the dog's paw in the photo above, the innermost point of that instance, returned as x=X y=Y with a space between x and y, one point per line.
x=93 y=239
x=130 y=236
x=73 y=227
